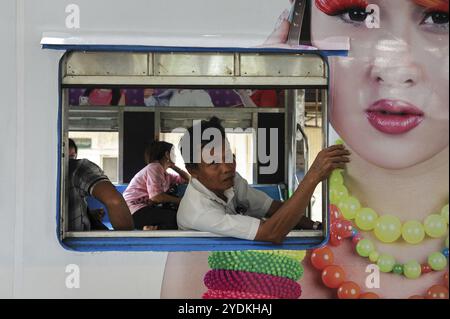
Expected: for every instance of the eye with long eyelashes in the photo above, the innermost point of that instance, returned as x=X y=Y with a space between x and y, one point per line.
x=437 y=21
x=354 y=15
x=349 y=11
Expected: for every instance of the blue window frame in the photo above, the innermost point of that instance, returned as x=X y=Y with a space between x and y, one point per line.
x=166 y=244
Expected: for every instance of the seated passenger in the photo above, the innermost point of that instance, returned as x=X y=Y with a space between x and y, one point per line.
x=146 y=195
x=220 y=201
x=87 y=179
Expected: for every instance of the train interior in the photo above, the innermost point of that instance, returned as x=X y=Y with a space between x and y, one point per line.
x=113 y=104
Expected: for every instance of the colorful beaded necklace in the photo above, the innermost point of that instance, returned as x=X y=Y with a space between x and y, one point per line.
x=346 y=209
x=387 y=228
x=334 y=277
x=340 y=229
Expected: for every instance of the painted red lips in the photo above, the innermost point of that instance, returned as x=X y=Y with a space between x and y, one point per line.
x=394 y=116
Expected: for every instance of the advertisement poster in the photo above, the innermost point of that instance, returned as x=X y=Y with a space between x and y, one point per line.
x=176 y=97
x=388 y=104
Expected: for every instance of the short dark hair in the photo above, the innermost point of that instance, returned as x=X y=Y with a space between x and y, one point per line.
x=156 y=151
x=72 y=144
x=188 y=140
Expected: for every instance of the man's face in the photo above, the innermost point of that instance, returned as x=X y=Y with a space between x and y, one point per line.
x=216 y=175
x=72 y=153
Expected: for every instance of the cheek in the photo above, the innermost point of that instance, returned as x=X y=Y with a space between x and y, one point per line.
x=435 y=68
x=349 y=89
x=209 y=177
x=437 y=73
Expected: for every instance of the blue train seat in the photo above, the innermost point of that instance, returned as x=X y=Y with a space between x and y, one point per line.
x=274 y=191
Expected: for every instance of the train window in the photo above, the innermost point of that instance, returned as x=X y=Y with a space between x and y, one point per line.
x=272 y=106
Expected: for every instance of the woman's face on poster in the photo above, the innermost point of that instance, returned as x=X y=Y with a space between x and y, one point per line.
x=390 y=96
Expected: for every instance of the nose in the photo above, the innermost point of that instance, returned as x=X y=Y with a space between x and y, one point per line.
x=395 y=76
x=394 y=67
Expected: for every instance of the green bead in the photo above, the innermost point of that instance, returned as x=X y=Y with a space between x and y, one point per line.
x=339 y=142
x=435 y=226
x=413 y=232
x=437 y=261
x=388 y=228
x=398 y=269
x=366 y=219
x=412 y=270
x=374 y=256
x=336 y=179
x=444 y=213
x=386 y=263
x=349 y=207
x=337 y=193
x=365 y=247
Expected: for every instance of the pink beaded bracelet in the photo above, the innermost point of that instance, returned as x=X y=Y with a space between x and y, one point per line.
x=219 y=294
x=249 y=282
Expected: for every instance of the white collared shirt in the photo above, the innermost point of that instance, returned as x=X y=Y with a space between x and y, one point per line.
x=239 y=217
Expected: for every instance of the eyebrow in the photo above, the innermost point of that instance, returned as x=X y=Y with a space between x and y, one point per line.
x=441 y=5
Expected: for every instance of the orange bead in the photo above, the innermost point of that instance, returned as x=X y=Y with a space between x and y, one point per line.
x=349 y=290
x=446 y=279
x=322 y=257
x=333 y=276
x=437 y=292
x=369 y=295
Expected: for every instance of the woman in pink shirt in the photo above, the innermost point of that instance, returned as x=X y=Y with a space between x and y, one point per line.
x=146 y=195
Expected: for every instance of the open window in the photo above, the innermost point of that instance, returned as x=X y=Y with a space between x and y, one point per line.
x=114 y=103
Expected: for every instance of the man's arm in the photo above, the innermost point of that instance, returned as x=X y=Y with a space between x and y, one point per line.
x=305 y=222
x=118 y=211
x=276 y=205
x=286 y=217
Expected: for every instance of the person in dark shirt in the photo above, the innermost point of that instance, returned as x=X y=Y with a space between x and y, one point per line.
x=87 y=179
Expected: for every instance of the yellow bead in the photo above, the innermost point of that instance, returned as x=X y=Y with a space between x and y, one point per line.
x=444 y=213
x=336 y=179
x=437 y=261
x=337 y=193
x=413 y=232
x=366 y=219
x=374 y=255
x=412 y=270
x=386 y=263
x=388 y=228
x=365 y=247
x=435 y=226
x=349 y=207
